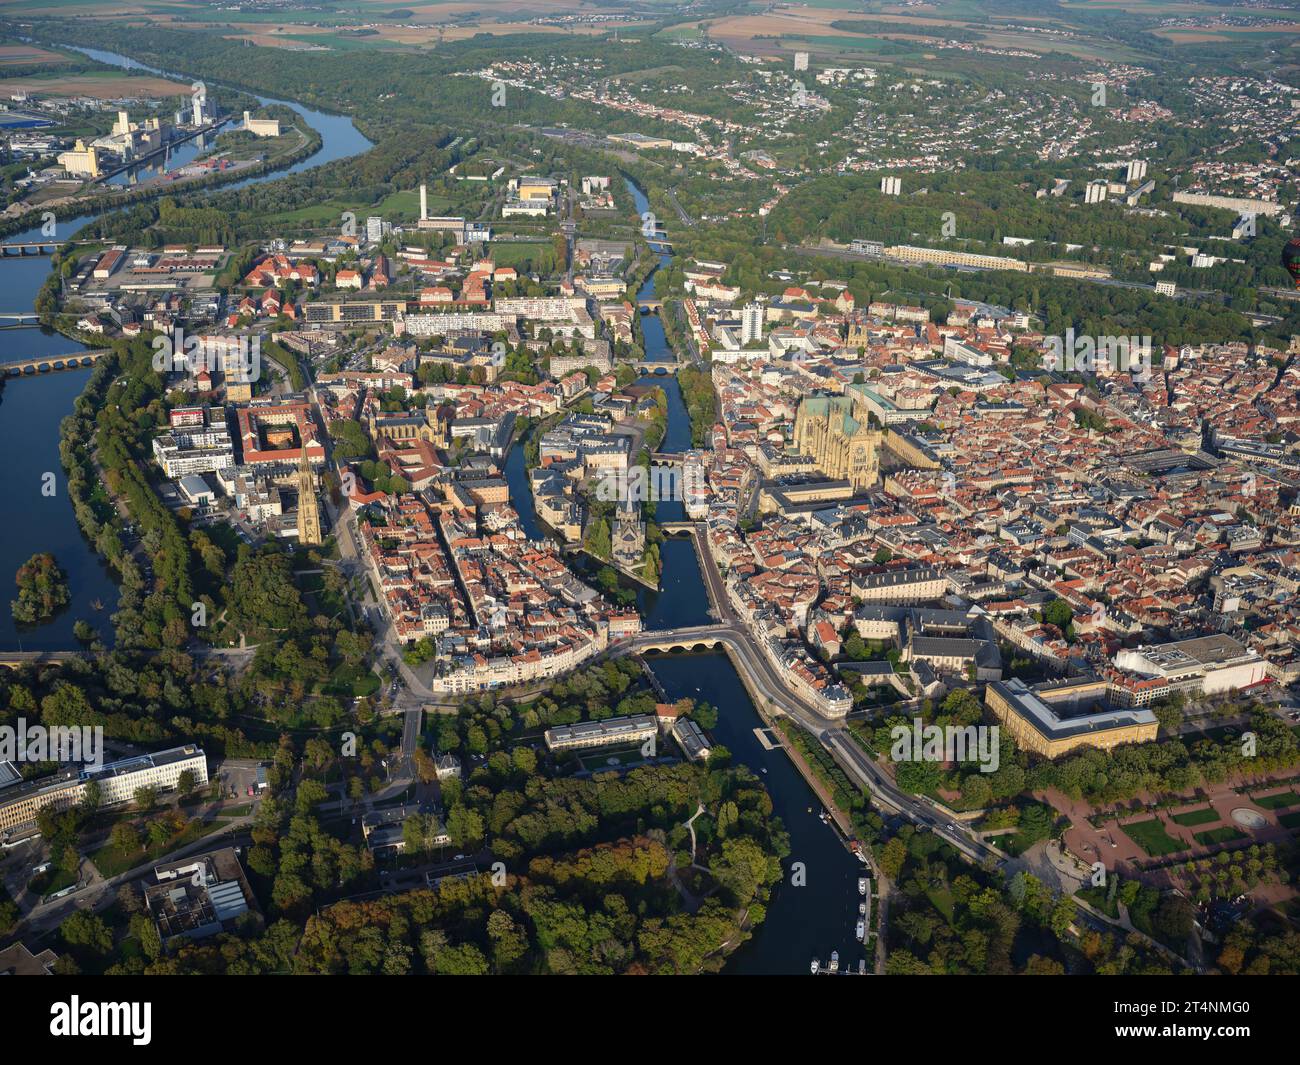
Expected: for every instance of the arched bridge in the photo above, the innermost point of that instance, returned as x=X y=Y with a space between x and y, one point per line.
x=678 y=528
x=49 y=363
x=687 y=639
x=656 y=366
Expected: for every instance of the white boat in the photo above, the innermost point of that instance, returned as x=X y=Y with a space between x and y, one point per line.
x=862 y=885
x=764 y=769
x=862 y=908
x=835 y=961
x=862 y=967
x=816 y=965
x=862 y=929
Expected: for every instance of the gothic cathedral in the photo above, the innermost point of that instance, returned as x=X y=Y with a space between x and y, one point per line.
x=834 y=431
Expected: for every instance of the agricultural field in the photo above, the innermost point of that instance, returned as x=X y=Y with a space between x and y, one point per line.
x=100 y=85
x=16 y=55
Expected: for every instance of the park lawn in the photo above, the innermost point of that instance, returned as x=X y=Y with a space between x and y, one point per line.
x=352 y=681
x=112 y=862
x=514 y=253
x=407 y=202
x=1204 y=816
x=942 y=900
x=1152 y=838
x=1224 y=834
x=1291 y=820
x=1099 y=898
x=1273 y=802
x=612 y=759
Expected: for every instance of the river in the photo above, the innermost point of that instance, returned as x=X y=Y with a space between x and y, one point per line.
x=32 y=407
x=801 y=922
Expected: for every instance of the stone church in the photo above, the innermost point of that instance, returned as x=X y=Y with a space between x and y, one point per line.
x=834 y=430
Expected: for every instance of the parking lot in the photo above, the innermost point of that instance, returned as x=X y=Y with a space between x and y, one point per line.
x=239 y=775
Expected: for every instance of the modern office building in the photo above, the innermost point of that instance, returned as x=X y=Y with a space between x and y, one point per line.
x=118 y=782
x=1206 y=665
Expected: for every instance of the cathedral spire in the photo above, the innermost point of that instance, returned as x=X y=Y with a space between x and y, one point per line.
x=308 y=506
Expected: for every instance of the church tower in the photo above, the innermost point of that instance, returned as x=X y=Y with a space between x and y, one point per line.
x=308 y=506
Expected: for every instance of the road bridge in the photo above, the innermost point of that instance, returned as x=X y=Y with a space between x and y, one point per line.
x=50 y=363
x=15 y=249
x=656 y=366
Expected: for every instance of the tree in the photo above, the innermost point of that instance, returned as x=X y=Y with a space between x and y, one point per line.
x=88 y=931
x=186 y=782
x=892 y=857
x=1173 y=918
x=42 y=590
x=597 y=540
x=125 y=838
x=146 y=798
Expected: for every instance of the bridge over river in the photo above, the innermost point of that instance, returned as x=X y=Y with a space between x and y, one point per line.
x=50 y=363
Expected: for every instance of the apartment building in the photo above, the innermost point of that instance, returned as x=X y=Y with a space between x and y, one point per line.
x=915 y=584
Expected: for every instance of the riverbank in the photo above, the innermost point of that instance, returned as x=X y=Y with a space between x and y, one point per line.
x=32 y=427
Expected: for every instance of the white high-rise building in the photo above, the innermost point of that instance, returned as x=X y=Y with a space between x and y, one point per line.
x=801 y=61
x=374 y=229
x=1095 y=191
x=1137 y=170
x=751 y=324
x=424 y=203
x=891 y=186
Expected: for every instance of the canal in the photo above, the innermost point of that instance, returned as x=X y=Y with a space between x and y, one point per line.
x=32 y=407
